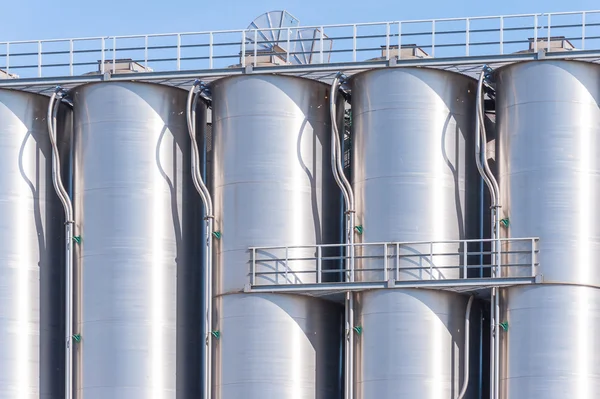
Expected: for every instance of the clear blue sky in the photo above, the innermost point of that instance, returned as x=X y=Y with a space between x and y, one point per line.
x=48 y=19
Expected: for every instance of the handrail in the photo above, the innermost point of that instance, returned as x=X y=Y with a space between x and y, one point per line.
x=53 y=108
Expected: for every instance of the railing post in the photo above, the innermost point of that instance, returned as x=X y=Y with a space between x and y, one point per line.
x=535 y=32
x=210 y=50
x=178 y=52
x=501 y=35
x=468 y=28
x=533 y=245
x=354 y=43
x=397 y=261
x=287 y=52
x=146 y=52
x=583 y=30
x=255 y=46
x=321 y=45
x=549 y=27
x=431 y=260
x=7 y=57
x=71 y=57
x=114 y=66
x=433 y=38
x=287 y=266
x=399 y=40
x=103 y=55
x=253 y=281
x=465 y=251
x=385 y=262
x=387 y=41
x=243 y=57
x=319 y=265
x=39 y=59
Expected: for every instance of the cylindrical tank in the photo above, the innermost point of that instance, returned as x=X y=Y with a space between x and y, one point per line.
x=272 y=186
x=548 y=153
x=140 y=257
x=32 y=255
x=415 y=179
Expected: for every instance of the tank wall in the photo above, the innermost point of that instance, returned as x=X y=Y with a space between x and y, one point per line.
x=415 y=179
x=31 y=249
x=140 y=219
x=273 y=185
x=548 y=119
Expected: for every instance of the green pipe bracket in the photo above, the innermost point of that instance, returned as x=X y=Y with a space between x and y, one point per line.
x=77 y=239
x=504 y=325
x=358 y=330
x=359 y=229
x=76 y=338
x=217 y=234
x=216 y=334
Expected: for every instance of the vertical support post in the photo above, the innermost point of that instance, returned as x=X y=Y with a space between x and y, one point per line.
x=385 y=262
x=501 y=35
x=71 y=57
x=255 y=46
x=7 y=57
x=103 y=56
x=583 y=30
x=210 y=51
x=287 y=266
x=39 y=59
x=253 y=281
x=397 y=261
x=114 y=66
x=354 y=43
x=465 y=251
x=179 y=52
x=321 y=46
x=243 y=57
x=399 y=40
x=433 y=38
x=535 y=33
x=146 y=52
x=468 y=34
x=319 y=265
x=549 y=28
x=431 y=260
x=288 y=49
x=387 y=41
x=533 y=245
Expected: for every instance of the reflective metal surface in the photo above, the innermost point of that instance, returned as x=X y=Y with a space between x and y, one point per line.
x=140 y=222
x=548 y=119
x=31 y=250
x=415 y=179
x=272 y=186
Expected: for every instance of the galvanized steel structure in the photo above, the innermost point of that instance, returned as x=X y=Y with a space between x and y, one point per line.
x=275 y=271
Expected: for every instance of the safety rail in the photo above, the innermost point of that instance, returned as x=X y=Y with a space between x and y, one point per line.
x=457 y=261
x=343 y=43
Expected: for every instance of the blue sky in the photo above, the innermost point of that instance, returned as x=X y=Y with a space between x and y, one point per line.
x=47 y=19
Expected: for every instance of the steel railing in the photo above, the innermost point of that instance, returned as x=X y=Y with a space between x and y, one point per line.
x=449 y=37
x=377 y=262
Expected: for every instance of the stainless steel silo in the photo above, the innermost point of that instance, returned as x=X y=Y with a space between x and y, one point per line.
x=31 y=250
x=548 y=153
x=414 y=179
x=272 y=185
x=138 y=264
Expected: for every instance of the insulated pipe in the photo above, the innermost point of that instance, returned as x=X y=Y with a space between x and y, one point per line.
x=488 y=177
x=68 y=208
x=346 y=188
x=209 y=219
x=466 y=350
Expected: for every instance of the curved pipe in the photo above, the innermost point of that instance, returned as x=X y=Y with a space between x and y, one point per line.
x=467 y=353
x=192 y=102
x=68 y=209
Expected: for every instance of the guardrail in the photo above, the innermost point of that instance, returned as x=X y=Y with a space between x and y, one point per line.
x=450 y=37
x=400 y=261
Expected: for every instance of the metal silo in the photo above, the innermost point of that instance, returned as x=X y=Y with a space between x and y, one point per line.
x=414 y=179
x=31 y=250
x=138 y=264
x=273 y=186
x=548 y=151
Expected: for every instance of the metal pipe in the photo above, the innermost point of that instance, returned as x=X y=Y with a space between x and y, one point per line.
x=466 y=351
x=490 y=180
x=209 y=219
x=68 y=209
x=346 y=188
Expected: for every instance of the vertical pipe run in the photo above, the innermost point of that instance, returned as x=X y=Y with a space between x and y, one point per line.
x=68 y=208
x=209 y=219
x=346 y=188
x=465 y=383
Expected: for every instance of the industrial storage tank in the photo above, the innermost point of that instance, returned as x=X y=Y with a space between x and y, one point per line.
x=414 y=179
x=139 y=262
x=548 y=154
x=32 y=340
x=273 y=185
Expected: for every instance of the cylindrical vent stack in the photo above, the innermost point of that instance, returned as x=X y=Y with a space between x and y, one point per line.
x=140 y=222
x=32 y=341
x=548 y=154
x=415 y=179
x=273 y=186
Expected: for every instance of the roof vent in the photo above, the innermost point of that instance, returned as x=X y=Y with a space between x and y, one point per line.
x=407 y=51
x=123 y=65
x=557 y=43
